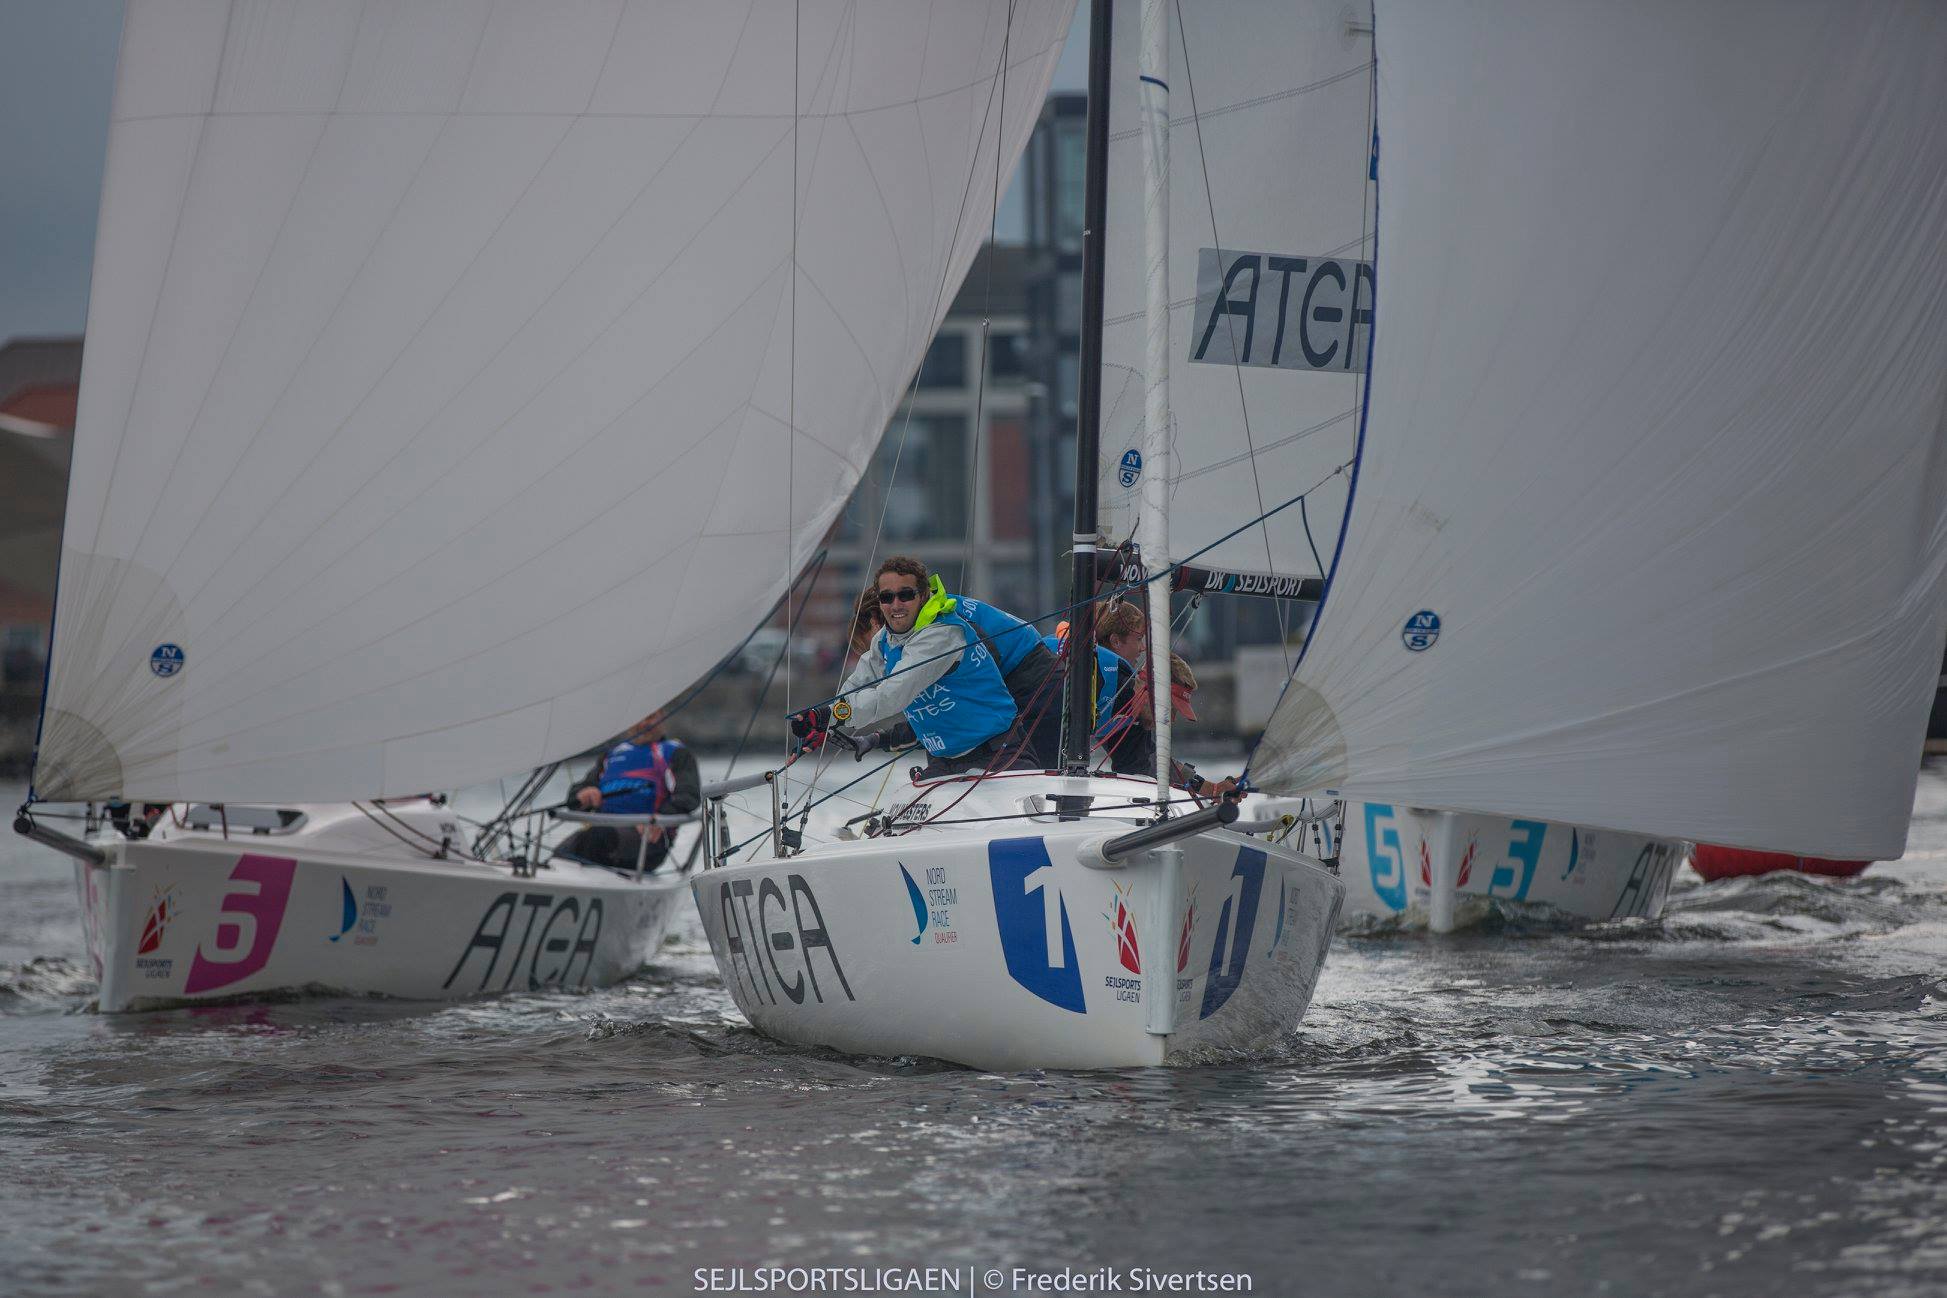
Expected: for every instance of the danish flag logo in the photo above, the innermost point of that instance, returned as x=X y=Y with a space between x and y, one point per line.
x=160 y=913
x=1123 y=926
x=1466 y=863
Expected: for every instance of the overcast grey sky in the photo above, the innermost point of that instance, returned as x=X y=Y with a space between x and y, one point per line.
x=57 y=72
x=57 y=68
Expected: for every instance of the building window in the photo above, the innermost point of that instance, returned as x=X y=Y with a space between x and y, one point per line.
x=1071 y=172
x=1068 y=370
x=1037 y=172
x=1068 y=303
x=1010 y=481
x=1007 y=356
x=928 y=500
x=946 y=363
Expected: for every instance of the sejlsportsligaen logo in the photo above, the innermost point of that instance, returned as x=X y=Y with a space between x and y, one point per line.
x=1421 y=630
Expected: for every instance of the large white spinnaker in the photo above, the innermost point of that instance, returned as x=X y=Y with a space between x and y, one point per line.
x=450 y=397
x=1650 y=523
x=1270 y=226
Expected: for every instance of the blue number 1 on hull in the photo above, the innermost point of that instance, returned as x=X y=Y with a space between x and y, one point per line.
x=1032 y=917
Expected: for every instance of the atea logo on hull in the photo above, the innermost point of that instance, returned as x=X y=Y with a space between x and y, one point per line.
x=1277 y=311
x=569 y=933
x=760 y=926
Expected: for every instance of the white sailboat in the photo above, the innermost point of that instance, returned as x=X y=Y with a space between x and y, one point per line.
x=1648 y=368
x=445 y=408
x=1444 y=868
x=1048 y=919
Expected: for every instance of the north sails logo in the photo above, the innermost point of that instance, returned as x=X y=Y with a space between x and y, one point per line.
x=1421 y=630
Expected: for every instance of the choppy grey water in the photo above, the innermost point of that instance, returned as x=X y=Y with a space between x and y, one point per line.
x=1749 y=1097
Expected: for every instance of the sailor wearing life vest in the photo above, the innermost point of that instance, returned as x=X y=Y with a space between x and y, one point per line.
x=642 y=774
x=1028 y=669
x=1121 y=641
x=930 y=663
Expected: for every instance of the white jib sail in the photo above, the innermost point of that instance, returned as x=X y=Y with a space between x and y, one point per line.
x=450 y=398
x=1269 y=241
x=1650 y=524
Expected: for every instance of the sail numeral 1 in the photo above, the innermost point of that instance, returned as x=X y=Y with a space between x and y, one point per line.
x=1050 y=913
x=1232 y=946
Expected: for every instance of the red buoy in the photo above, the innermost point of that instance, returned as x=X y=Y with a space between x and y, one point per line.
x=1732 y=862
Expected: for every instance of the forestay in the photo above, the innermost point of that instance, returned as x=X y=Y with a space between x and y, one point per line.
x=450 y=398
x=1269 y=237
x=1651 y=518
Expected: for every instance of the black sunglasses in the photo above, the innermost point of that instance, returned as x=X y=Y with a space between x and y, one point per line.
x=905 y=595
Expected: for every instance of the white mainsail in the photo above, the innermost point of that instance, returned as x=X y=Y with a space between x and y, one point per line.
x=1650 y=523
x=450 y=398
x=1270 y=227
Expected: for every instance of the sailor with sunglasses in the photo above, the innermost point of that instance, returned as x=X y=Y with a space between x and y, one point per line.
x=931 y=663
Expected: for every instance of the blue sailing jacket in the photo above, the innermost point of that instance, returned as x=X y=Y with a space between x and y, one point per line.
x=964 y=708
x=1108 y=673
x=1012 y=638
x=636 y=777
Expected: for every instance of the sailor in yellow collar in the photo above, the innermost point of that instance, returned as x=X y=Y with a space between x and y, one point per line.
x=950 y=691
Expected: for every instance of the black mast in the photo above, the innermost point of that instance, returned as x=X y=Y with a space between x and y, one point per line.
x=1078 y=712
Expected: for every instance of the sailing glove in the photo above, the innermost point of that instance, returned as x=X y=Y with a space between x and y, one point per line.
x=812 y=722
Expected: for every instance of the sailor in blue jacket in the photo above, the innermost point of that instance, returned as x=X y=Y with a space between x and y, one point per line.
x=931 y=664
x=1028 y=668
x=1121 y=641
x=642 y=773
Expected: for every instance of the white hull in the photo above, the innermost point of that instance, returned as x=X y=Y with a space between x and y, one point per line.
x=992 y=945
x=191 y=917
x=1427 y=866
